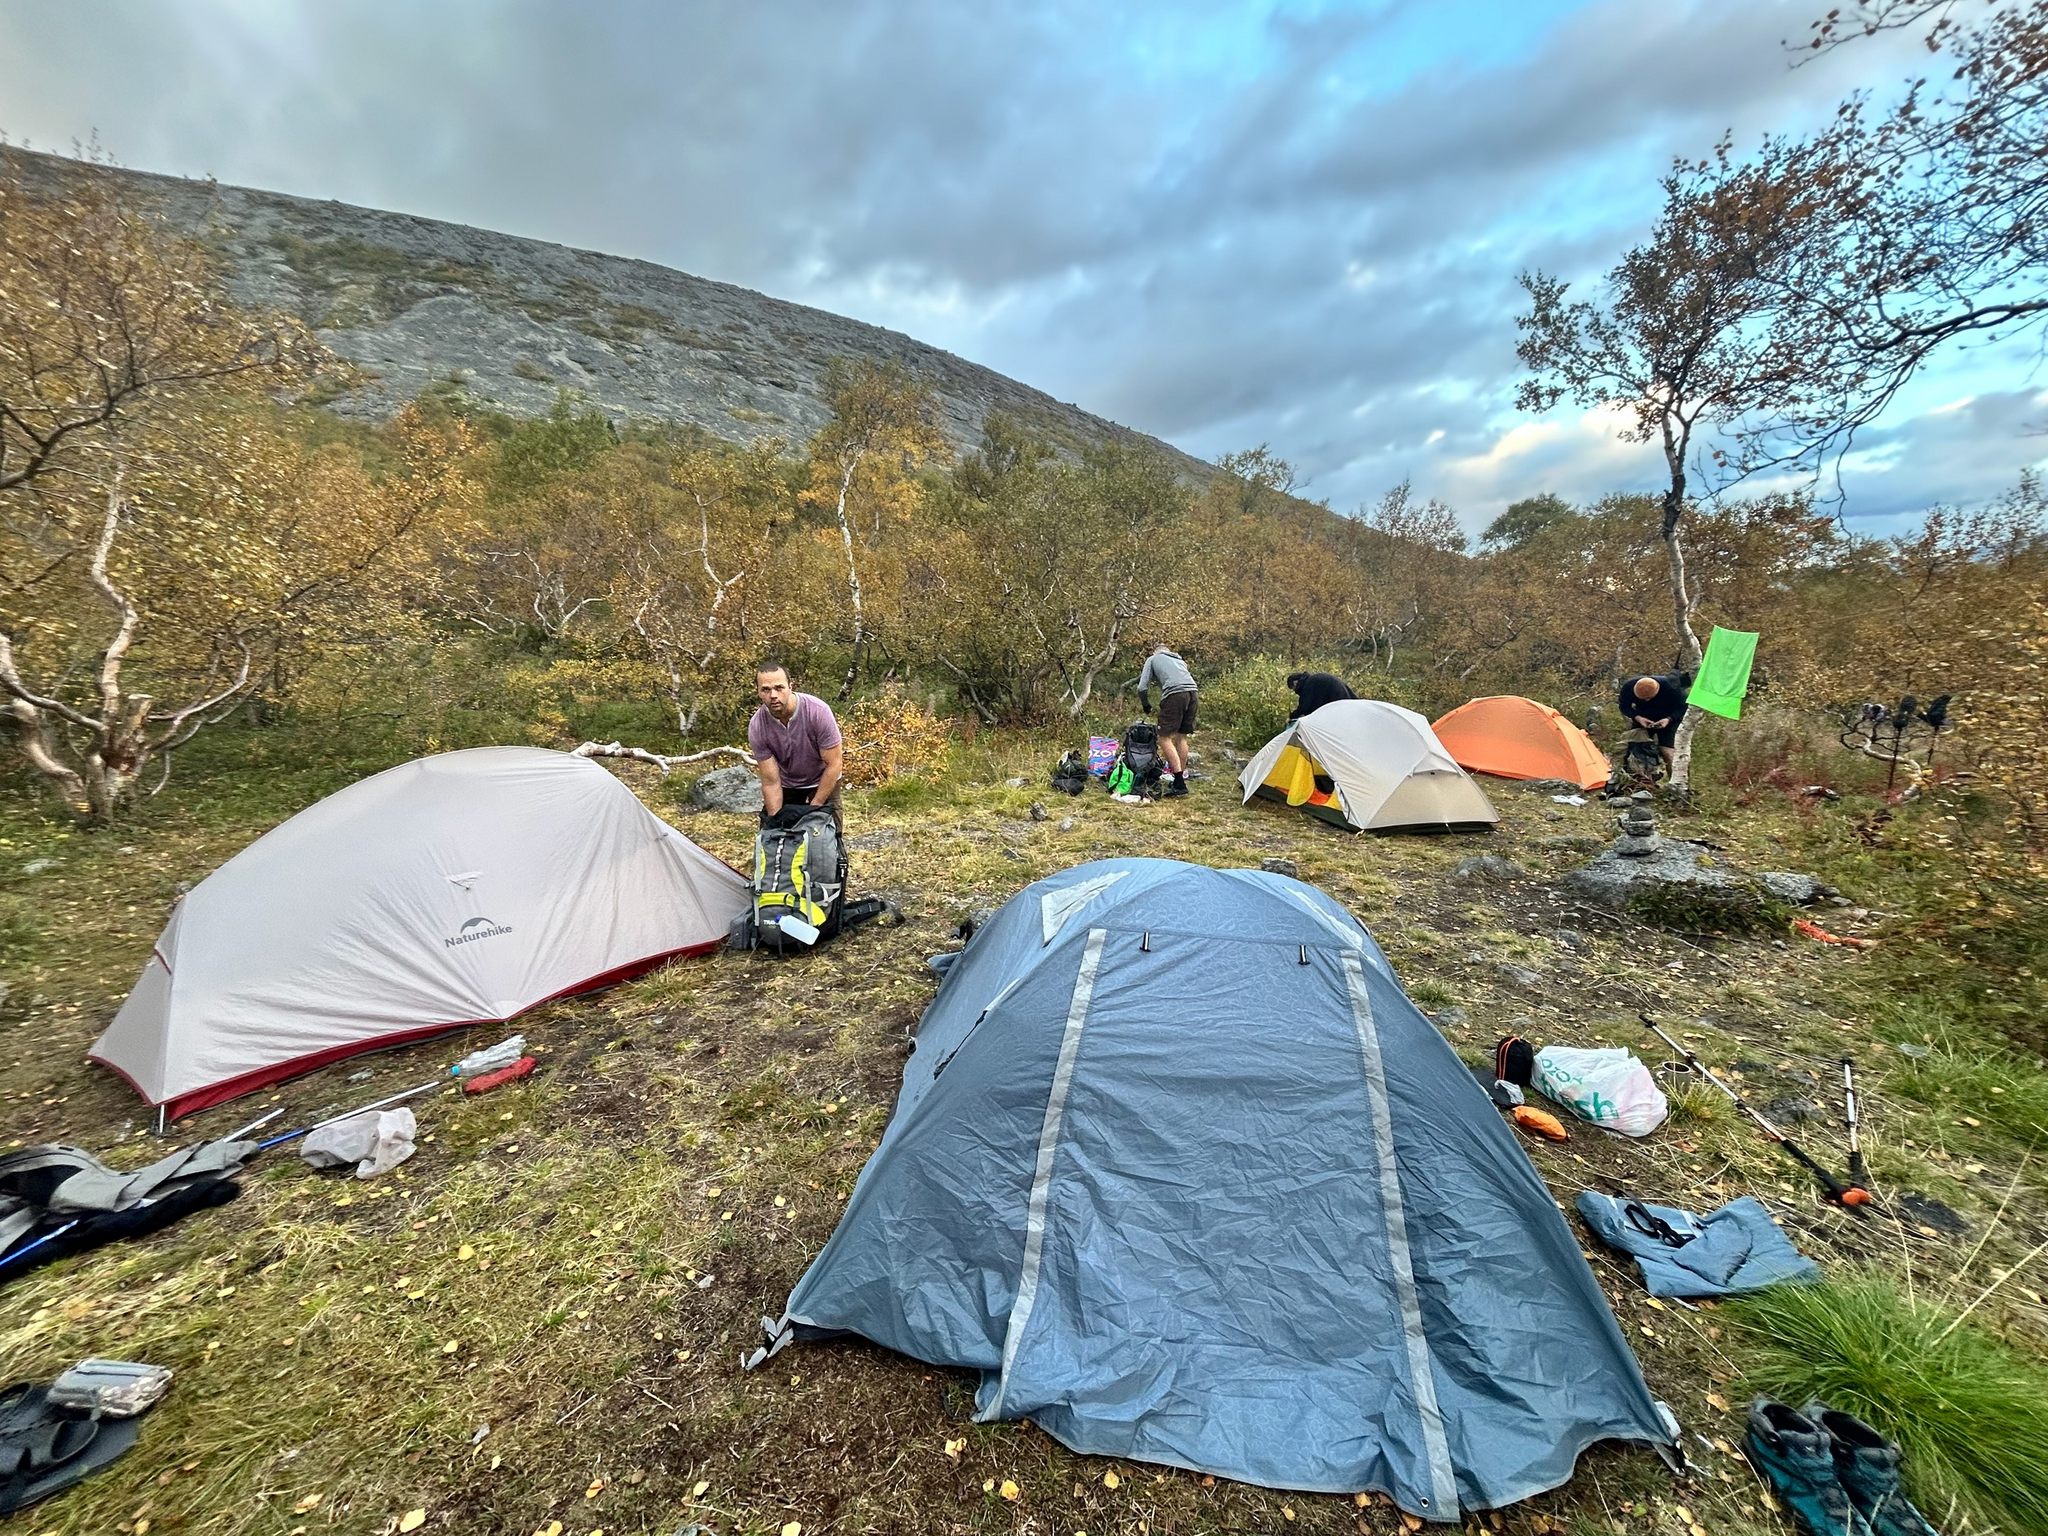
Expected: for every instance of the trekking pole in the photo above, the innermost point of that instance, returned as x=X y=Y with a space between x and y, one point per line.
x=410 y=1093
x=1858 y=1192
x=1837 y=1193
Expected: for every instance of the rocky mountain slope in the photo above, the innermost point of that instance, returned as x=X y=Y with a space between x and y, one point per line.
x=411 y=301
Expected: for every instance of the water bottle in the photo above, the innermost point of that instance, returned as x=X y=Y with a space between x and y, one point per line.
x=503 y=1054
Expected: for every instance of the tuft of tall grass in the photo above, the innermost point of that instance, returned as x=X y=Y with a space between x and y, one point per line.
x=1971 y=1414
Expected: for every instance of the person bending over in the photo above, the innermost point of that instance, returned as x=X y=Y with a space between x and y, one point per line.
x=797 y=751
x=1312 y=690
x=1177 y=700
x=1656 y=704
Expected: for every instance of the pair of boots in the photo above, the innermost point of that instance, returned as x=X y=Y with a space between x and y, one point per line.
x=1172 y=784
x=1838 y=1476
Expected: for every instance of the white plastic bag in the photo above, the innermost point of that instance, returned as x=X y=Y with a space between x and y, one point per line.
x=376 y=1141
x=1607 y=1086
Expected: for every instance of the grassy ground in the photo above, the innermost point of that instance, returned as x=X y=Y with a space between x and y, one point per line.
x=534 y=1325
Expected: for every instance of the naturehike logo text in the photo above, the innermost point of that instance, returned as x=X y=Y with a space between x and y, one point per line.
x=477 y=928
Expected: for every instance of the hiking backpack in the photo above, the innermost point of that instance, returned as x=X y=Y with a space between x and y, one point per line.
x=799 y=874
x=1070 y=774
x=1137 y=767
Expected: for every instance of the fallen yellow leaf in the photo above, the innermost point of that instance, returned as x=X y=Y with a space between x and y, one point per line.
x=794 y=1528
x=1110 y=1479
x=1361 y=1499
x=552 y=1528
x=1769 y=1503
x=1716 y=1400
x=1684 y=1514
x=700 y=1490
x=596 y=1487
x=306 y=1503
x=451 y=1346
x=412 y=1520
x=465 y=1253
x=989 y=1486
x=1011 y=1491
x=1651 y=1301
x=1287 y=1510
x=955 y=1447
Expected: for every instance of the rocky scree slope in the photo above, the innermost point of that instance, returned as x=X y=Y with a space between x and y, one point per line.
x=412 y=301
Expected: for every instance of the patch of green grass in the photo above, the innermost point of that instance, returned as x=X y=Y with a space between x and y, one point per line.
x=1971 y=1413
x=1430 y=994
x=907 y=795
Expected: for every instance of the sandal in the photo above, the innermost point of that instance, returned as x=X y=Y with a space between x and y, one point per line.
x=57 y=1452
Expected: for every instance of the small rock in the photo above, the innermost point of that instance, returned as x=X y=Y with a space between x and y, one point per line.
x=1840 y=901
x=1450 y=1018
x=1039 y=812
x=1520 y=975
x=1066 y=823
x=1014 y=783
x=1797 y=1111
x=1568 y=938
x=1916 y=1052
x=1013 y=854
x=1281 y=867
x=1551 y=787
x=361 y=1077
x=1642 y=797
x=1489 y=866
x=734 y=790
x=37 y=866
x=1553 y=815
x=1799 y=890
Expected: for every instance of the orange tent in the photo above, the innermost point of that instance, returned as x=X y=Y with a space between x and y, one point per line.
x=1517 y=738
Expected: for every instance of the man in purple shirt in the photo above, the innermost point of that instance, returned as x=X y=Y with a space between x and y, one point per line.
x=796 y=747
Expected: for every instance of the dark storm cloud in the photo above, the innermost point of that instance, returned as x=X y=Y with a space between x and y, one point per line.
x=1221 y=223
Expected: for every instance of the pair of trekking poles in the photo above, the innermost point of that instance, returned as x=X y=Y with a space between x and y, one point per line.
x=1852 y=1196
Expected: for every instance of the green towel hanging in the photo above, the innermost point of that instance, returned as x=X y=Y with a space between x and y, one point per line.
x=1724 y=673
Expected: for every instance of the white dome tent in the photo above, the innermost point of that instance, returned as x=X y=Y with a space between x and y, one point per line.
x=1368 y=766
x=454 y=890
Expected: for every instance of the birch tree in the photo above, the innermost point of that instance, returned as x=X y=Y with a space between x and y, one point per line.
x=1681 y=344
x=884 y=427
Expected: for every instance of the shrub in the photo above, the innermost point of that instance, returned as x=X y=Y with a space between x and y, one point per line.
x=1251 y=700
x=1971 y=1414
x=891 y=737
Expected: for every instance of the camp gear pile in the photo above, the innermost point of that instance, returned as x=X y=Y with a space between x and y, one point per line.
x=52 y=1437
x=1724 y=1253
x=453 y=890
x=1367 y=766
x=1175 y=1150
x=1138 y=765
x=1070 y=774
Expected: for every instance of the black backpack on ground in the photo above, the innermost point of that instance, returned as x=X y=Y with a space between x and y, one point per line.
x=1070 y=774
x=1138 y=764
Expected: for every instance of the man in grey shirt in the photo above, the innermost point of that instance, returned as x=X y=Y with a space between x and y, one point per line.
x=1177 y=699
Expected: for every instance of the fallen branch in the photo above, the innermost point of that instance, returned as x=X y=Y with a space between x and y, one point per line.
x=642 y=755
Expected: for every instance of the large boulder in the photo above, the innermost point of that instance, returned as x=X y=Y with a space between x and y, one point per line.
x=732 y=789
x=1675 y=867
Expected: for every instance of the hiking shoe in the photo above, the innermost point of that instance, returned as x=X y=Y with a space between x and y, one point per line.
x=1795 y=1456
x=1867 y=1465
x=1175 y=784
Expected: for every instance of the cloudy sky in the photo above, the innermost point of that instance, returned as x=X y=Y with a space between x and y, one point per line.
x=1224 y=223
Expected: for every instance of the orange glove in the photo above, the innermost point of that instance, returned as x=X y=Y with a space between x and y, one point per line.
x=1538 y=1123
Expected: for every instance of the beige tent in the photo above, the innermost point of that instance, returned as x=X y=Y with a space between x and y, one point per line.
x=1368 y=766
x=458 y=889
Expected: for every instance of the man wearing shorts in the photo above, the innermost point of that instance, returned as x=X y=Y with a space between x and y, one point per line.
x=1177 y=700
x=1655 y=704
x=797 y=750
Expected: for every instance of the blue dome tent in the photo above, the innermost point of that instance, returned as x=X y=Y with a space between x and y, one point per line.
x=1179 y=1168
